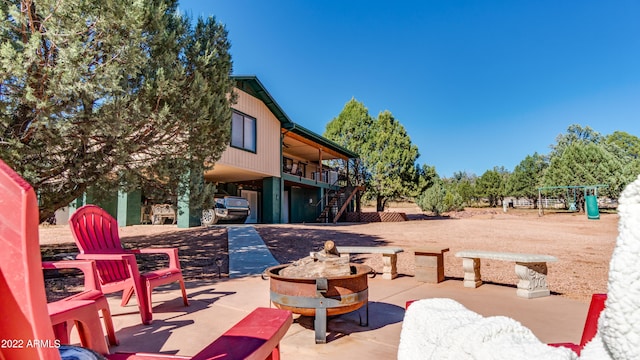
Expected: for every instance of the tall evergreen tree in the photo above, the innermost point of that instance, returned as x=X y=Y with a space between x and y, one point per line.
x=527 y=178
x=425 y=177
x=351 y=130
x=464 y=185
x=391 y=160
x=575 y=133
x=584 y=157
x=107 y=94
x=491 y=186
x=388 y=157
x=627 y=148
x=629 y=144
x=587 y=164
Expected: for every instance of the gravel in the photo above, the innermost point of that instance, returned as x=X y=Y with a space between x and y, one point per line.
x=583 y=247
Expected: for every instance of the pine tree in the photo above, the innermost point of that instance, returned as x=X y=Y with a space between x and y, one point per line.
x=350 y=129
x=390 y=160
x=587 y=164
x=584 y=157
x=110 y=94
x=490 y=185
x=527 y=178
x=386 y=152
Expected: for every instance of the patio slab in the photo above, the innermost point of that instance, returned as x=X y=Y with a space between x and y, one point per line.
x=215 y=306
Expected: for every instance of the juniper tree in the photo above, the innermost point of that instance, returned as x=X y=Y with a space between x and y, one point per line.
x=587 y=164
x=629 y=144
x=386 y=152
x=583 y=156
x=464 y=185
x=350 y=129
x=491 y=186
x=104 y=94
x=390 y=160
x=627 y=148
x=527 y=178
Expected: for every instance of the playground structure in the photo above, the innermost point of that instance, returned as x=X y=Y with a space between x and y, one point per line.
x=572 y=192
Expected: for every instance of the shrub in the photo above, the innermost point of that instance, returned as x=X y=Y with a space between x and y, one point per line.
x=438 y=199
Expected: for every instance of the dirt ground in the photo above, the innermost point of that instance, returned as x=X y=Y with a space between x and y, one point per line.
x=583 y=247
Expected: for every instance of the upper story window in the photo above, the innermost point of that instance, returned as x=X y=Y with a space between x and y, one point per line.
x=243 y=132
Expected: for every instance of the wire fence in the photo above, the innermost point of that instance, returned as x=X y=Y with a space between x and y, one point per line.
x=555 y=203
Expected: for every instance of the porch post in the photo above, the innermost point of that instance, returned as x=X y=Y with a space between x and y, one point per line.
x=129 y=207
x=272 y=200
x=320 y=164
x=188 y=216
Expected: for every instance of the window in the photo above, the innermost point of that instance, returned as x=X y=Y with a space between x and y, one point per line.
x=243 y=132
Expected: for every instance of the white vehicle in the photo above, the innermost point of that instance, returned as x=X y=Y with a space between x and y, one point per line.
x=233 y=209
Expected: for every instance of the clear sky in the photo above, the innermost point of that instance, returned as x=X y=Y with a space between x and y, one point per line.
x=477 y=84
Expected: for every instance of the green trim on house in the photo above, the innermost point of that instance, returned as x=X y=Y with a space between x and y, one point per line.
x=186 y=215
x=129 y=208
x=251 y=85
x=271 y=200
x=303 y=205
x=310 y=182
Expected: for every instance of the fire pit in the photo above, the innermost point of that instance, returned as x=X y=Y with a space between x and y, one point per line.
x=322 y=296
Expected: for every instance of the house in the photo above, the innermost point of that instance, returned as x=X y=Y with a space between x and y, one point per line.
x=279 y=166
x=275 y=163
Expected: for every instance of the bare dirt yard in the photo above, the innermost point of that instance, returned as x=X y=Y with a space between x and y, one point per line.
x=583 y=247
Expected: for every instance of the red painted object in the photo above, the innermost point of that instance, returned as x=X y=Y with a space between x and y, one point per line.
x=590 y=325
x=92 y=291
x=96 y=235
x=256 y=337
x=23 y=305
x=84 y=313
x=23 y=300
x=22 y=283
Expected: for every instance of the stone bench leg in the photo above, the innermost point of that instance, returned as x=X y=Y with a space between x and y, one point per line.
x=533 y=280
x=471 y=269
x=389 y=266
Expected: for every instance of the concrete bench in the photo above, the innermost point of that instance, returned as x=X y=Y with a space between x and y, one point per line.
x=430 y=264
x=256 y=336
x=531 y=269
x=389 y=257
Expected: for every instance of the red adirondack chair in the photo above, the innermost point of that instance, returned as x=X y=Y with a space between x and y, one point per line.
x=96 y=235
x=590 y=325
x=24 y=318
x=92 y=291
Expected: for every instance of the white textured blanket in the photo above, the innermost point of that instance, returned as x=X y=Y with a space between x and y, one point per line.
x=444 y=329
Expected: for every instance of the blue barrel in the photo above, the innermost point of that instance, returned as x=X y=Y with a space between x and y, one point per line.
x=592 y=207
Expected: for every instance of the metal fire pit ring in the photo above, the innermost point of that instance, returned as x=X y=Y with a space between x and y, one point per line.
x=321 y=297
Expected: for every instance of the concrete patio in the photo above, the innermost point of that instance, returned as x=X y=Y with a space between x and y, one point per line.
x=215 y=306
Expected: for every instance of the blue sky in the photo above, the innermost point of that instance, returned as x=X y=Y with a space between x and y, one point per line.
x=477 y=84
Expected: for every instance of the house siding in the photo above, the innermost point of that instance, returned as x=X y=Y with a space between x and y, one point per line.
x=266 y=159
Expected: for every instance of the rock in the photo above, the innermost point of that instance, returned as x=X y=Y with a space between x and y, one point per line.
x=326 y=263
x=311 y=268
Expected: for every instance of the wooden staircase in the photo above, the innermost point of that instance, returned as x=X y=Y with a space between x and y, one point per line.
x=340 y=199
